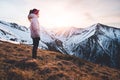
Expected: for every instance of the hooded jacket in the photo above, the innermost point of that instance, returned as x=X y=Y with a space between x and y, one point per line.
x=34 y=26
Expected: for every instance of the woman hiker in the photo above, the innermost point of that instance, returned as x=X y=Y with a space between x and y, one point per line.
x=35 y=30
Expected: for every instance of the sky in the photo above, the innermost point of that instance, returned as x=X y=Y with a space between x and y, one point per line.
x=62 y=13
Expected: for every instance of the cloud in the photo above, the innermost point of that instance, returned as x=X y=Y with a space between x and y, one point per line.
x=89 y=16
x=72 y=11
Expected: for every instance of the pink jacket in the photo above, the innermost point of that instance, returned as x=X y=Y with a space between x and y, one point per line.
x=34 y=26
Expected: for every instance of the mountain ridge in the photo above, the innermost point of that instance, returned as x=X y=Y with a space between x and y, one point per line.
x=101 y=47
x=98 y=43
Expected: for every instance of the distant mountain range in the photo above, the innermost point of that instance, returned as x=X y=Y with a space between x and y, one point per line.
x=98 y=43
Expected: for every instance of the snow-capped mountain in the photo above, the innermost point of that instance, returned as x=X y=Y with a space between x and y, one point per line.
x=98 y=43
x=66 y=33
x=21 y=34
x=11 y=31
x=17 y=33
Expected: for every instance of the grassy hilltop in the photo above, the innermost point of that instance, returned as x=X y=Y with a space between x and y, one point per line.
x=16 y=64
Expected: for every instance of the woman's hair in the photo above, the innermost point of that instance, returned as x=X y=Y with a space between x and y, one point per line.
x=30 y=11
x=34 y=11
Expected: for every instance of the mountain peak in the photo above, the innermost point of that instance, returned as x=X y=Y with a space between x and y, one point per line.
x=99 y=25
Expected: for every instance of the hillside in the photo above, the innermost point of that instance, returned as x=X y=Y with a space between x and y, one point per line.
x=16 y=64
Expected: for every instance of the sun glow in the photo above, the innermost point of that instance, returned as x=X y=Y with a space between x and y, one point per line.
x=62 y=13
x=62 y=20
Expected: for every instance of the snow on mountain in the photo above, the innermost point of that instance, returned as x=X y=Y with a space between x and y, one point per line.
x=21 y=34
x=77 y=36
x=17 y=33
x=11 y=31
x=64 y=33
x=45 y=36
x=98 y=43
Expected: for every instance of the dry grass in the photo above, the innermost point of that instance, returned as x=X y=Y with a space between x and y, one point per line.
x=16 y=64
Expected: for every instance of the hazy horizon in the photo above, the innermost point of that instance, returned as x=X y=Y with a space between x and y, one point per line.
x=63 y=13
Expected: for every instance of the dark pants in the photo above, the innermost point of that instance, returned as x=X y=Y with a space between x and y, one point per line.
x=35 y=47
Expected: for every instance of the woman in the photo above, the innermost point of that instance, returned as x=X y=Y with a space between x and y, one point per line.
x=35 y=30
